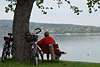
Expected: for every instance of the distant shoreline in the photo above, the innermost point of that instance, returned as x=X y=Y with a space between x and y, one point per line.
x=78 y=34
x=67 y=29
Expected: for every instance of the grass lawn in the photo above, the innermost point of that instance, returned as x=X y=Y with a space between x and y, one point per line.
x=12 y=63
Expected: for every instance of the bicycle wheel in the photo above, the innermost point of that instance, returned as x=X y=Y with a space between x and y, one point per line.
x=35 y=57
x=36 y=61
x=12 y=50
x=4 y=54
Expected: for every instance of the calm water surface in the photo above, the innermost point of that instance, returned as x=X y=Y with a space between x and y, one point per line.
x=79 y=48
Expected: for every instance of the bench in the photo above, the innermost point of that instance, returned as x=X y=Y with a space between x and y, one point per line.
x=53 y=50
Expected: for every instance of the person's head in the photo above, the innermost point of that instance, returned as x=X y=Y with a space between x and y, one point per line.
x=46 y=34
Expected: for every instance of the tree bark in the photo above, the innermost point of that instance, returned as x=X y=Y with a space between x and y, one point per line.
x=22 y=50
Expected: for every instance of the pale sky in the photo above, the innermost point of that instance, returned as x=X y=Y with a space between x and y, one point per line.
x=63 y=15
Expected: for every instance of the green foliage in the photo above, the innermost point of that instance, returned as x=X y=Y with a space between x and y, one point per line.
x=43 y=8
x=93 y=5
x=11 y=6
x=75 y=9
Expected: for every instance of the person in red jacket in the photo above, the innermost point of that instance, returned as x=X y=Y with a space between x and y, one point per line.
x=44 y=43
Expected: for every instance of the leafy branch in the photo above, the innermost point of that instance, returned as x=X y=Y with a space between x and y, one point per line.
x=11 y=6
x=91 y=5
x=43 y=8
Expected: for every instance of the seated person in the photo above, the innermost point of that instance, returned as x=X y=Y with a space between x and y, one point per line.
x=44 y=45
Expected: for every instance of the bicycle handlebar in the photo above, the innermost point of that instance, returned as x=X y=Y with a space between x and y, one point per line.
x=38 y=31
x=10 y=34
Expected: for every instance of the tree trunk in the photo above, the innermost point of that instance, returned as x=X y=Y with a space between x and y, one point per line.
x=20 y=26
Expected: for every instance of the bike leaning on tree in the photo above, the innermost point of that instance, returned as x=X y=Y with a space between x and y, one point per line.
x=8 y=48
x=35 y=49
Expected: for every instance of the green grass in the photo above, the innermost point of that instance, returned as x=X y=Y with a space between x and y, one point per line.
x=12 y=63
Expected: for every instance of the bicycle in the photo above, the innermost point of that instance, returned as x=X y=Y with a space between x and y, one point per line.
x=7 y=49
x=32 y=39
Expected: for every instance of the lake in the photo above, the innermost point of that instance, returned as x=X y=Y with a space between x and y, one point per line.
x=80 y=47
x=83 y=48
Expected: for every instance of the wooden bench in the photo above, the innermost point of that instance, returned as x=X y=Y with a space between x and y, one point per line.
x=53 y=50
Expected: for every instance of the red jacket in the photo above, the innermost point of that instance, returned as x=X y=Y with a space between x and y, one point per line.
x=44 y=43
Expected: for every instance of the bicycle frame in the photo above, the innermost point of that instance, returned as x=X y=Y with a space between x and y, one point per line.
x=32 y=39
x=7 y=47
